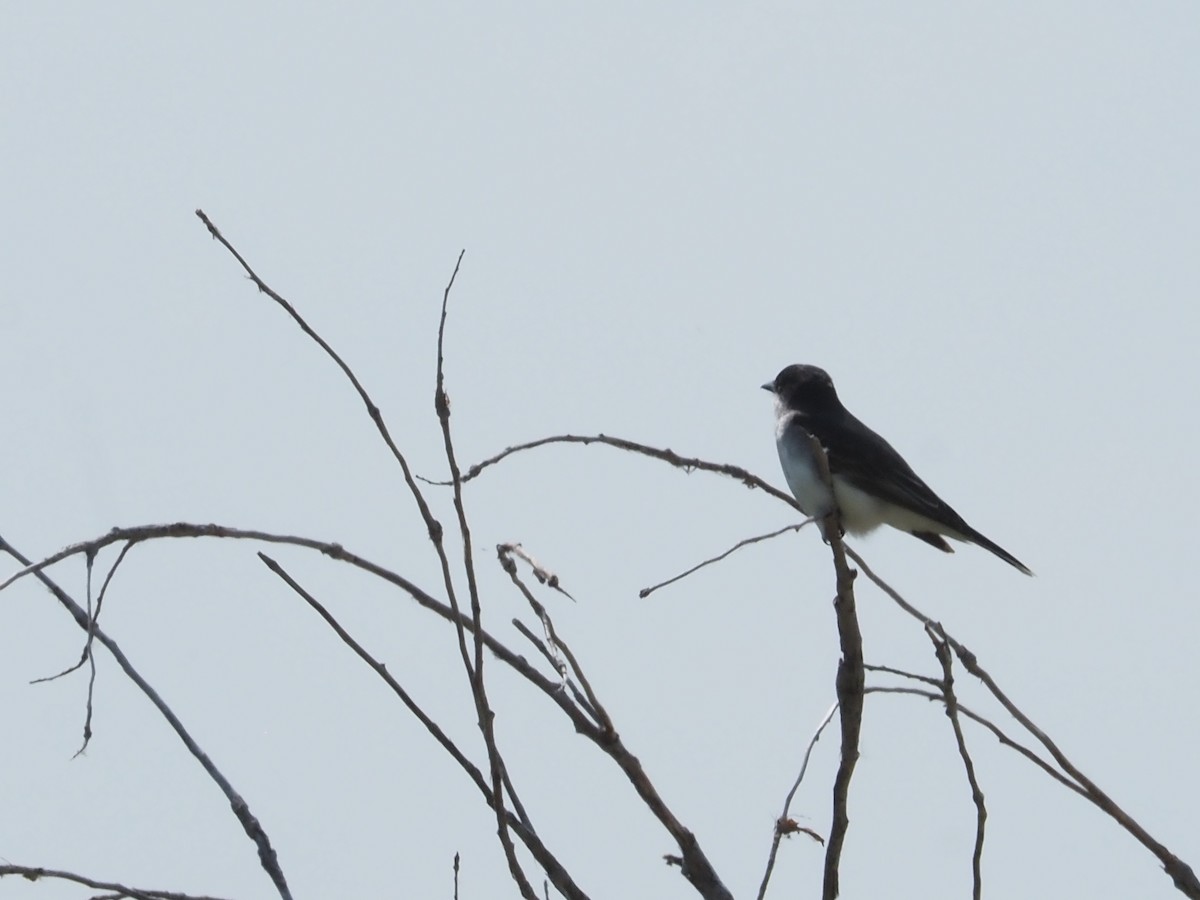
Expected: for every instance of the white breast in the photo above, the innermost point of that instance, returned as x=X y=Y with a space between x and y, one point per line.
x=800 y=472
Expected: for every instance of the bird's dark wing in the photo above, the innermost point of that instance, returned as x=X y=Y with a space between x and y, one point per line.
x=870 y=463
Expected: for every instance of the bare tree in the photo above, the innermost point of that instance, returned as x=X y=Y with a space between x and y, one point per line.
x=559 y=676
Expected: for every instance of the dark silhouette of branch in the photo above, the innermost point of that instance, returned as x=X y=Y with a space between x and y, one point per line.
x=115 y=890
x=266 y=853
x=520 y=825
x=436 y=533
x=647 y=591
x=942 y=650
x=784 y=824
x=692 y=861
x=85 y=654
x=486 y=717
x=851 y=680
x=696 y=867
x=1181 y=874
x=688 y=464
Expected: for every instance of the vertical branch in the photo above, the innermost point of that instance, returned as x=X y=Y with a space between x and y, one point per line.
x=436 y=532
x=942 y=649
x=784 y=824
x=441 y=402
x=1181 y=874
x=851 y=680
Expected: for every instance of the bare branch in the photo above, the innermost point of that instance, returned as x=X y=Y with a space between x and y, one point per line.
x=1181 y=874
x=562 y=880
x=692 y=861
x=924 y=679
x=942 y=649
x=540 y=572
x=486 y=717
x=783 y=825
x=589 y=702
x=851 y=680
x=266 y=853
x=688 y=464
x=646 y=592
x=991 y=726
x=36 y=873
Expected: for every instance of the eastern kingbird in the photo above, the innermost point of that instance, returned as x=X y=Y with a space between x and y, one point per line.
x=872 y=484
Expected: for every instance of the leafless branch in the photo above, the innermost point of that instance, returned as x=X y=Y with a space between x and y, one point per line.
x=924 y=679
x=851 y=679
x=557 y=651
x=1181 y=874
x=562 y=880
x=116 y=890
x=241 y=810
x=647 y=591
x=486 y=716
x=688 y=464
x=1006 y=740
x=692 y=861
x=784 y=825
x=950 y=700
x=436 y=535
x=540 y=572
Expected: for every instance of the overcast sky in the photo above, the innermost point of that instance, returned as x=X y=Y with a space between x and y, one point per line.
x=983 y=221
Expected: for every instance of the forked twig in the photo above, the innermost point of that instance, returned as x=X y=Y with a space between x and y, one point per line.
x=266 y=853
x=1180 y=872
x=782 y=825
x=486 y=718
x=518 y=822
x=436 y=536
x=950 y=701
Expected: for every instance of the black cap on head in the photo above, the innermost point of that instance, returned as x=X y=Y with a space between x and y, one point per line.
x=804 y=387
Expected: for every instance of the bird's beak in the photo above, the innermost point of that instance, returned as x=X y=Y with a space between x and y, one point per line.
x=769 y=387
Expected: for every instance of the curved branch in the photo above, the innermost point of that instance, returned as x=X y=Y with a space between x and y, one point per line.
x=668 y=456
x=1180 y=872
x=266 y=853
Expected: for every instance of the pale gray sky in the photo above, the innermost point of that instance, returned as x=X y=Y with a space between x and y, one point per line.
x=983 y=221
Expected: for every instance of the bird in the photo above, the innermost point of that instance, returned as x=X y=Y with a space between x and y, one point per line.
x=872 y=484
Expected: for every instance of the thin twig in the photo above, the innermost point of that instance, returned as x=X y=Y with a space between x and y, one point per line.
x=486 y=717
x=562 y=880
x=925 y=679
x=564 y=675
x=942 y=650
x=589 y=702
x=540 y=572
x=37 y=873
x=1181 y=874
x=991 y=726
x=93 y=610
x=266 y=853
x=692 y=861
x=646 y=592
x=782 y=825
x=688 y=464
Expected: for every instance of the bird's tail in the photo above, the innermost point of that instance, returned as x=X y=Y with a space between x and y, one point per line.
x=976 y=538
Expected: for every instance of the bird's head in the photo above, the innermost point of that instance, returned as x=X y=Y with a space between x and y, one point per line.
x=805 y=388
